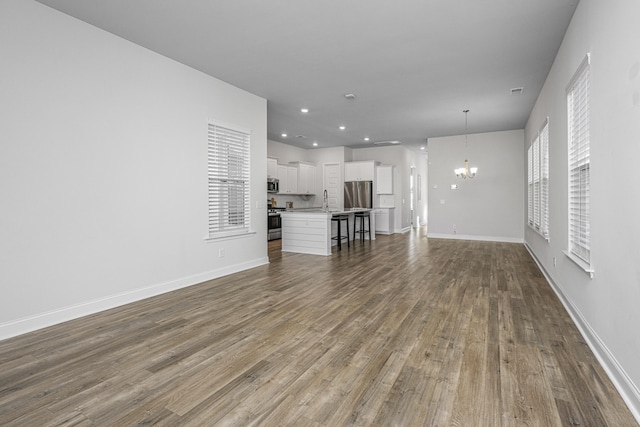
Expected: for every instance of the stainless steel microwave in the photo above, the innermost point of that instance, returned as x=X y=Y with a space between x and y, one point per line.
x=273 y=185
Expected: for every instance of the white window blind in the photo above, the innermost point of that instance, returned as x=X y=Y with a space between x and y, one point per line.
x=530 y=185
x=538 y=182
x=579 y=163
x=228 y=173
x=544 y=180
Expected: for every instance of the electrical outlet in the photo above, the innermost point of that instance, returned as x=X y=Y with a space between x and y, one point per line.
x=221 y=253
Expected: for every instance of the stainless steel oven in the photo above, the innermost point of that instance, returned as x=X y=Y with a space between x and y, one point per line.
x=274 y=224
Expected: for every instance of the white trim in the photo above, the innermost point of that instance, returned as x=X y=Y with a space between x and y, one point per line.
x=230 y=236
x=580 y=263
x=621 y=381
x=532 y=228
x=586 y=61
x=480 y=238
x=43 y=320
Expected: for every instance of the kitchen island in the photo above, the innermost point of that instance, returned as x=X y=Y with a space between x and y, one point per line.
x=309 y=231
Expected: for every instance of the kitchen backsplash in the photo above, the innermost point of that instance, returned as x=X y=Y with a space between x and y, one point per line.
x=298 y=202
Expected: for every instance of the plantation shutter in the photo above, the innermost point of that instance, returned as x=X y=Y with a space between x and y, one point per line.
x=228 y=173
x=579 y=163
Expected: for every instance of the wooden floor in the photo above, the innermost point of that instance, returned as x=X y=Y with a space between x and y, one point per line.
x=402 y=331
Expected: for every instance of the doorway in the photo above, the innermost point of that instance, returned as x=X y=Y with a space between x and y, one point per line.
x=331 y=183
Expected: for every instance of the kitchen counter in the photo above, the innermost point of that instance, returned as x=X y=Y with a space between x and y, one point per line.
x=309 y=230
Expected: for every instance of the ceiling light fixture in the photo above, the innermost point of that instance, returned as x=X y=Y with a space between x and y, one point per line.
x=366 y=138
x=342 y=127
x=304 y=110
x=350 y=96
x=284 y=135
x=465 y=172
x=315 y=144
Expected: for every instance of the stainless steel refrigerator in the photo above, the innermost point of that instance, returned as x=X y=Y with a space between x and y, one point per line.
x=358 y=194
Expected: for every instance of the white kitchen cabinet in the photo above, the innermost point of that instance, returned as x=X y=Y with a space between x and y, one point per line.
x=384 y=220
x=272 y=167
x=288 y=177
x=384 y=179
x=292 y=180
x=359 y=171
x=306 y=177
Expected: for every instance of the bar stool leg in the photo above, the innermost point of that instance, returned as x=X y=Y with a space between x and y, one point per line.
x=349 y=240
x=369 y=219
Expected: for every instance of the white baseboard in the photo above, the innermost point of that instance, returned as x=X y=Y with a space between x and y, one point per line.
x=481 y=238
x=625 y=386
x=43 y=320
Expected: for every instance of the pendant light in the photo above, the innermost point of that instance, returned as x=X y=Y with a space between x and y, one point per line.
x=465 y=171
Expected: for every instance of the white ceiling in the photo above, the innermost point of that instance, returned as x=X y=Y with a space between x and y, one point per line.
x=414 y=65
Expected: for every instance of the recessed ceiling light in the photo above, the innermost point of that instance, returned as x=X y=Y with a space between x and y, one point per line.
x=350 y=96
x=315 y=144
x=284 y=135
x=422 y=148
x=342 y=127
x=304 y=110
x=366 y=138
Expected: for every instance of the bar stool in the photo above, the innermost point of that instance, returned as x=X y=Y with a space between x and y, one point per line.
x=361 y=216
x=338 y=219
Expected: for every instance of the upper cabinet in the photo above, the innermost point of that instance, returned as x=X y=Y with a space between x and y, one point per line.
x=297 y=178
x=384 y=179
x=359 y=171
x=288 y=177
x=306 y=177
x=272 y=167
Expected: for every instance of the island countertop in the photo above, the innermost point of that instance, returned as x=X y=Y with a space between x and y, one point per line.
x=331 y=212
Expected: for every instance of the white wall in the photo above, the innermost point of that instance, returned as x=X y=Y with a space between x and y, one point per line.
x=488 y=207
x=605 y=307
x=103 y=170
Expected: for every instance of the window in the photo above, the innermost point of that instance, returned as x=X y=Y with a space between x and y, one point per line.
x=579 y=164
x=538 y=182
x=228 y=173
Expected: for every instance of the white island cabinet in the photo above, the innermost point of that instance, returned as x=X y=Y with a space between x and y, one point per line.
x=309 y=231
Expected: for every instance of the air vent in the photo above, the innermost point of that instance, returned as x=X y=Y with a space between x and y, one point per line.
x=517 y=91
x=386 y=142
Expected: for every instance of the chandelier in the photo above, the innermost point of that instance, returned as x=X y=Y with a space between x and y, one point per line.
x=465 y=171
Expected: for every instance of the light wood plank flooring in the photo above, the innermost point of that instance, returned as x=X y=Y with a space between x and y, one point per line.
x=402 y=331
